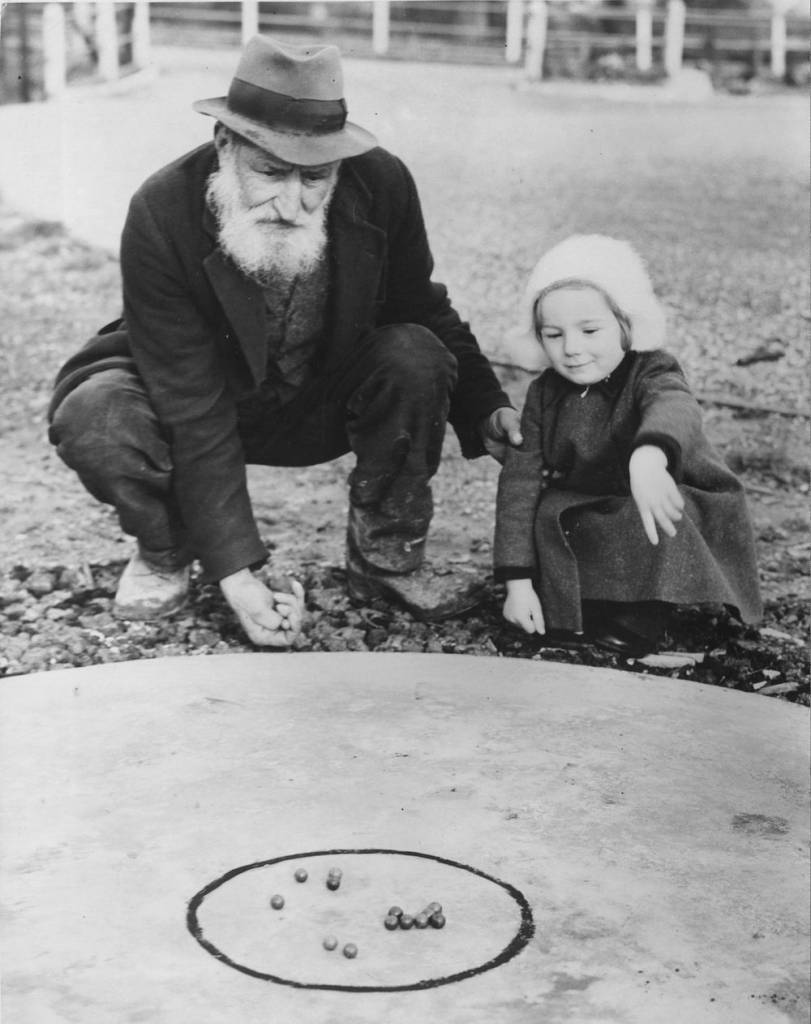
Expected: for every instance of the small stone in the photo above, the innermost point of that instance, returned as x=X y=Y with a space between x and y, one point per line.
x=281 y=584
x=437 y=920
x=39 y=584
x=277 y=902
x=406 y=922
x=391 y=922
x=330 y=943
x=350 y=951
x=300 y=875
x=421 y=921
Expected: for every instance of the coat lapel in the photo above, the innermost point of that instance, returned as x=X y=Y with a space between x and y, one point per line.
x=243 y=304
x=358 y=255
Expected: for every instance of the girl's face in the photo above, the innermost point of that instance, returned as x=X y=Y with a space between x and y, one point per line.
x=580 y=334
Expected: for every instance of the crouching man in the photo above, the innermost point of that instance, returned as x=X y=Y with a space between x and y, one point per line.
x=278 y=310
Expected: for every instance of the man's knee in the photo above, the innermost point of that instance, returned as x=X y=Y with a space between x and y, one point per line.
x=102 y=419
x=414 y=354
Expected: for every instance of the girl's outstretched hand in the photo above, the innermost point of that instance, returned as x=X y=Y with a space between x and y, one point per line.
x=655 y=492
x=523 y=607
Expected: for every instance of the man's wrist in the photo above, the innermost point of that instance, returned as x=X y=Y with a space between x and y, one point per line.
x=483 y=425
x=228 y=583
x=487 y=422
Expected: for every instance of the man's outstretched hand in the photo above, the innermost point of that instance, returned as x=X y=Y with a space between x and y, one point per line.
x=270 y=617
x=499 y=430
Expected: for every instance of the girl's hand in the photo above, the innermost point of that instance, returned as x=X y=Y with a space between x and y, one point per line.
x=655 y=492
x=523 y=607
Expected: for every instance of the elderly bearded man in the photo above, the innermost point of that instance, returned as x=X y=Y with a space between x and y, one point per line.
x=278 y=310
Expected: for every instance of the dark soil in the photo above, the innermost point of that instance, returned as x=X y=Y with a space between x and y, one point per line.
x=58 y=617
x=63 y=553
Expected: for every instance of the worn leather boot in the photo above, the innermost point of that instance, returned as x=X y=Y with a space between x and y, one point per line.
x=146 y=591
x=431 y=593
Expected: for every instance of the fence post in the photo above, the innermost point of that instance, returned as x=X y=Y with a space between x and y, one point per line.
x=54 y=70
x=644 y=35
x=250 y=20
x=674 y=36
x=778 y=64
x=536 y=40
x=140 y=34
x=380 y=27
x=515 y=30
x=107 y=40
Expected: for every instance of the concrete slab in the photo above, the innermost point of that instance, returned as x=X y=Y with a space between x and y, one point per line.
x=657 y=831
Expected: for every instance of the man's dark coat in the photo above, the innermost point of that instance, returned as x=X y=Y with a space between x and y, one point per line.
x=194 y=328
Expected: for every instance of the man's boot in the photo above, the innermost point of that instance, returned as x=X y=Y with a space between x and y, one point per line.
x=147 y=591
x=431 y=592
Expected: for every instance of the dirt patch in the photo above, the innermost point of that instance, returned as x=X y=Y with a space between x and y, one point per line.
x=63 y=552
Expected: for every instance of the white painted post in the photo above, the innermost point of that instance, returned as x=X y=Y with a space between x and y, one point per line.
x=381 y=27
x=107 y=40
x=674 y=36
x=536 y=40
x=54 y=70
x=779 y=44
x=515 y=30
x=644 y=35
x=140 y=34
x=250 y=20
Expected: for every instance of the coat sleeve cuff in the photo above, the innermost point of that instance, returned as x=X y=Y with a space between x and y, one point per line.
x=502 y=573
x=218 y=565
x=467 y=430
x=669 y=446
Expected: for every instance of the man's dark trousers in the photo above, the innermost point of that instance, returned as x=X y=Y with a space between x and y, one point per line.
x=388 y=404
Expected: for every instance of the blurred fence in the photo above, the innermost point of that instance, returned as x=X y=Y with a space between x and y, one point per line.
x=478 y=30
x=45 y=45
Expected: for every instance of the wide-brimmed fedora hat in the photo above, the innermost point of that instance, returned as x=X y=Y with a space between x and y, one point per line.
x=289 y=100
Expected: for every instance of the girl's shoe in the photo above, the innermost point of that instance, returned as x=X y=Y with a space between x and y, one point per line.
x=631 y=630
x=619 y=640
x=563 y=638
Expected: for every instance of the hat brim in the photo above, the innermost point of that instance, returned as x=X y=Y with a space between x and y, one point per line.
x=294 y=147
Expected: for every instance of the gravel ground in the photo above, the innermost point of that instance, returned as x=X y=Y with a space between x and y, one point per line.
x=711 y=199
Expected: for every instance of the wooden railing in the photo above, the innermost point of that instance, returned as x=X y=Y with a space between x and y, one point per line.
x=515 y=31
x=498 y=30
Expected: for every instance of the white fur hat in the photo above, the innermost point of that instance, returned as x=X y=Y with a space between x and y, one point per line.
x=609 y=264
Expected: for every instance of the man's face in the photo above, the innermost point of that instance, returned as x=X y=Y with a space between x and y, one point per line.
x=285 y=193
x=271 y=214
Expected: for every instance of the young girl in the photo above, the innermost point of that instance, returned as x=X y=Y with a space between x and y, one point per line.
x=615 y=508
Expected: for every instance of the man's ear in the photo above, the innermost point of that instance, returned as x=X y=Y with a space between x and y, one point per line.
x=221 y=136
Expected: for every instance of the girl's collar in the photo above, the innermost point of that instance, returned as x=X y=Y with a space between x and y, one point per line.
x=610 y=384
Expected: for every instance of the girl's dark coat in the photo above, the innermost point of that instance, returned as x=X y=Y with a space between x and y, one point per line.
x=565 y=516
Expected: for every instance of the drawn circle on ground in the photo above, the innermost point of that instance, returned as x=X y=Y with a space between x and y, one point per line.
x=488 y=921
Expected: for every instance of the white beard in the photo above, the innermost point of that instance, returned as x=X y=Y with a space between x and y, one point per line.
x=262 y=249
